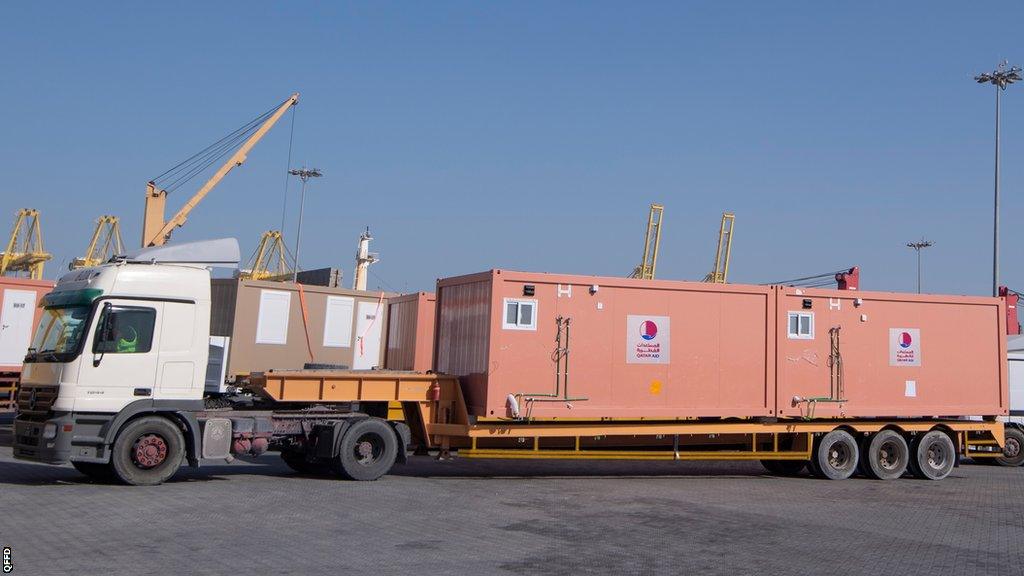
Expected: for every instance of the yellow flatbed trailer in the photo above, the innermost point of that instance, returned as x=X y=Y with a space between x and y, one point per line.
x=435 y=409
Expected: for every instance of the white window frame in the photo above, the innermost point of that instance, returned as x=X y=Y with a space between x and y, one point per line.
x=798 y=316
x=518 y=325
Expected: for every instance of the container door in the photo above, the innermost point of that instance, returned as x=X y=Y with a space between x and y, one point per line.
x=368 y=332
x=119 y=360
x=16 y=325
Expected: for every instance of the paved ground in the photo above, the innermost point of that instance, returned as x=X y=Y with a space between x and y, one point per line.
x=513 y=517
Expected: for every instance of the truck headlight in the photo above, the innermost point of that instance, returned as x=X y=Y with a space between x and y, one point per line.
x=49 y=431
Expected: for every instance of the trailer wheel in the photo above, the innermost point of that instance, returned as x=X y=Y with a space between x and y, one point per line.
x=836 y=455
x=368 y=450
x=885 y=455
x=784 y=467
x=1013 y=448
x=297 y=462
x=96 y=471
x=933 y=456
x=148 y=451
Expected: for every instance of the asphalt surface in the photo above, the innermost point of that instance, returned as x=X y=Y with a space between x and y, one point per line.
x=512 y=517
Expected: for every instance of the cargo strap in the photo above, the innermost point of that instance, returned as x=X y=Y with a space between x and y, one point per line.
x=305 y=321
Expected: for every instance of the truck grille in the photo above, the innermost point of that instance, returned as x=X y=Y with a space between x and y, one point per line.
x=36 y=400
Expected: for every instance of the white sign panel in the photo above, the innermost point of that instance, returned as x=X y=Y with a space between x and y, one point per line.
x=904 y=347
x=647 y=339
x=272 y=322
x=338 y=322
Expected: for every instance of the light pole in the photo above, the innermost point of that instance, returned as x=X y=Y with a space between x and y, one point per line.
x=304 y=174
x=1001 y=77
x=917 y=246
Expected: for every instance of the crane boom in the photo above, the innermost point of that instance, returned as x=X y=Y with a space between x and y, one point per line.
x=652 y=240
x=720 y=273
x=155 y=230
x=109 y=228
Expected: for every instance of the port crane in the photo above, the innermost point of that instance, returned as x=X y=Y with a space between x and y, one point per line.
x=652 y=240
x=24 y=251
x=270 y=261
x=156 y=229
x=104 y=244
x=720 y=273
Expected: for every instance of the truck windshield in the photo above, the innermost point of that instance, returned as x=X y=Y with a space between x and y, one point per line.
x=60 y=330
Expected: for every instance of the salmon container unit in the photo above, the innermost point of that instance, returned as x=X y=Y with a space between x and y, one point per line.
x=19 y=314
x=283 y=325
x=559 y=346
x=410 y=334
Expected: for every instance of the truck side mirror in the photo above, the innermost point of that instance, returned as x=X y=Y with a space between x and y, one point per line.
x=104 y=335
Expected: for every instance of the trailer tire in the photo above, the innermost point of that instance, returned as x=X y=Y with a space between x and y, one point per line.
x=836 y=455
x=95 y=470
x=932 y=455
x=885 y=455
x=784 y=467
x=298 y=463
x=368 y=450
x=147 y=451
x=1013 y=449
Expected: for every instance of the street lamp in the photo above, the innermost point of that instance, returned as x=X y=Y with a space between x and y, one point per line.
x=1001 y=77
x=304 y=174
x=918 y=246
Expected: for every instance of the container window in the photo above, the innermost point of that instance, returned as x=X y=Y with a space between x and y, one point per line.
x=801 y=325
x=520 y=314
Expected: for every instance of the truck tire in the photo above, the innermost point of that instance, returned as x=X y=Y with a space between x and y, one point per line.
x=297 y=462
x=932 y=455
x=784 y=467
x=147 y=451
x=368 y=450
x=96 y=471
x=885 y=455
x=836 y=455
x=1013 y=449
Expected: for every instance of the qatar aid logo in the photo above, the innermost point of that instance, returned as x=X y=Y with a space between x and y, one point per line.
x=648 y=330
x=906 y=340
x=647 y=339
x=904 y=347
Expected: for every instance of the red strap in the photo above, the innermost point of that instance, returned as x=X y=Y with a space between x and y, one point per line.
x=305 y=320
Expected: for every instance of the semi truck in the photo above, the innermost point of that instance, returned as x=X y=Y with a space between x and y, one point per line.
x=115 y=380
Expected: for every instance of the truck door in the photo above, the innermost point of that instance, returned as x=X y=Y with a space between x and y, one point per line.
x=16 y=325
x=119 y=359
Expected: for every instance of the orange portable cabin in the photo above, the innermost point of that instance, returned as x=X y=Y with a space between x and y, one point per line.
x=410 y=339
x=559 y=346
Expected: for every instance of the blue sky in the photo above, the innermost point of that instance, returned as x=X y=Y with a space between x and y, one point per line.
x=533 y=135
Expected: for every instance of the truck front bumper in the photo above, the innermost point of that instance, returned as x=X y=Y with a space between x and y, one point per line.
x=43 y=440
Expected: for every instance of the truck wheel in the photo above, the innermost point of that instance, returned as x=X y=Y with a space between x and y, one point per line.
x=148 y=451
x=836 y=455
x=297 y=462
x=932 y=456
x=784 y=467
x=96 y=471
x=368 y=450
x=1013 y=448
x=885 y=455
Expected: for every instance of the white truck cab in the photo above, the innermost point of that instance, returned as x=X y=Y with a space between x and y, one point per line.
x=127 y=337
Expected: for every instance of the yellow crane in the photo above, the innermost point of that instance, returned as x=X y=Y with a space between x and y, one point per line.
x=105 y=243
x=24 y=252
x=269 y=261
x=720 y=274
x=155 y=229
x=645 y=270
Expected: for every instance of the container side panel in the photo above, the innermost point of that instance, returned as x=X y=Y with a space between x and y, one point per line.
x=900 y=355
x=223 y=295
x=633 y=351
x=401 y=346
x=463 y=338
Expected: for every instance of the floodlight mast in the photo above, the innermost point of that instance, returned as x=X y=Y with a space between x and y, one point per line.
x=1001 y=77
